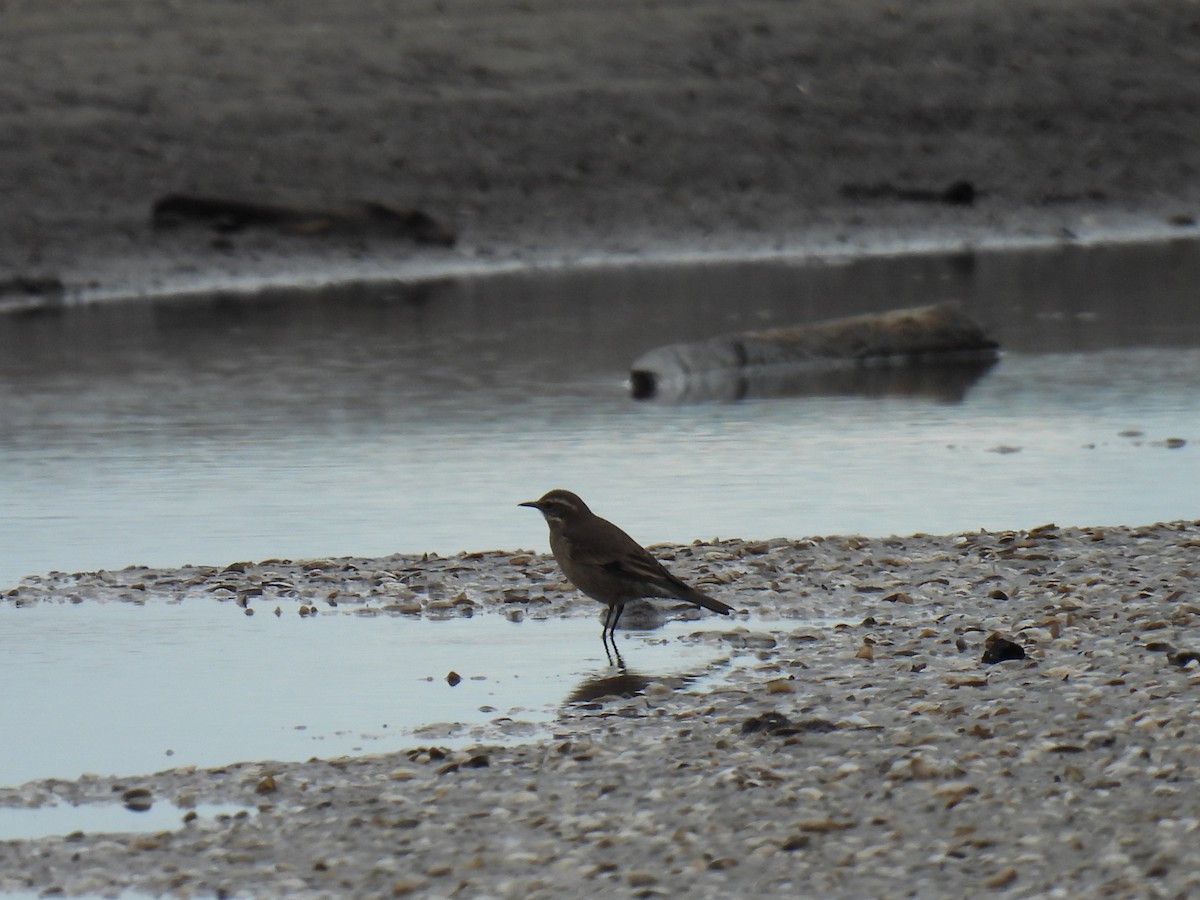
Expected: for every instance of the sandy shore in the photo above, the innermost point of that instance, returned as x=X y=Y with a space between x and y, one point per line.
x=882 y=758
x=543 y=131
x=877 y=758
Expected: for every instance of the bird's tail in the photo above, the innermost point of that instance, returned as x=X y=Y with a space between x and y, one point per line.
x=691 y=595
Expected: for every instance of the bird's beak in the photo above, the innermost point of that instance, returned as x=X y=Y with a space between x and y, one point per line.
x=532 y=503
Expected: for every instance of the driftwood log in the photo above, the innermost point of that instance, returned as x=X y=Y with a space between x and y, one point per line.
x=227 y=214
x=936 y=350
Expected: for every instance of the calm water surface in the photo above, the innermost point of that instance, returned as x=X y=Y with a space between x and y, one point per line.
x=414 y=418
x=368 y=420
x=123 y=688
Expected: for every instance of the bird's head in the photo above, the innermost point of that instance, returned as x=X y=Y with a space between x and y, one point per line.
x=559 y=506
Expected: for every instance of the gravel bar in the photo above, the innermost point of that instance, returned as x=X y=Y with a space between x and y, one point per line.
x=876 y=756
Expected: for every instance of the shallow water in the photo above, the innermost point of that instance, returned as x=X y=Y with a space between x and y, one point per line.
x=25 y=823
x=369 y=420
x=123 y=688
x=414 y=418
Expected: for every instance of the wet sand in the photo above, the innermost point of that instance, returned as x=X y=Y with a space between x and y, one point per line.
x=540 y=131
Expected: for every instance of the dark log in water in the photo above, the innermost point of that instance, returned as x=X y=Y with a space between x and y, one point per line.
x=936 y=350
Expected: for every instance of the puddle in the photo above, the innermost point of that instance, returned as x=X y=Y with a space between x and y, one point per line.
x=370 y=420
x=124 y=689
x=30 y=823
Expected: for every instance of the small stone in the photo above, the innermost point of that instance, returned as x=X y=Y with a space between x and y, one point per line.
x=407 y=886
x=954 y=792
x=998 y=648
x=642 y=879
x=771 y=723
x=781 y=686
x=824 y=826
x=1001 y=879
x=266 y=785
x=453 y=678
x=1183 y=658
x=957 y=680
x=138 y=799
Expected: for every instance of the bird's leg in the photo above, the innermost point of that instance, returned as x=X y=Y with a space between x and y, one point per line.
x=620 y=608
x=607 y=617
x=620 y=663
x=611 y=651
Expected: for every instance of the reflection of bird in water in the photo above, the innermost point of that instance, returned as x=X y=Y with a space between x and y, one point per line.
x=625 y=685
x=605 y=563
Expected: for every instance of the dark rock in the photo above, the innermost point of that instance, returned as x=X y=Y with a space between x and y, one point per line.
x=998 y=648
x=770 y=722
x=780 y=725
x=1183 y=657
x=138 y=799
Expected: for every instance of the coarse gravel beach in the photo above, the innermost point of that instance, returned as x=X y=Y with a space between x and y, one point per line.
x=878 y=756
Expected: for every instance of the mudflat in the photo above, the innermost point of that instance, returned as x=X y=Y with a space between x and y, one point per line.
x=543 y=130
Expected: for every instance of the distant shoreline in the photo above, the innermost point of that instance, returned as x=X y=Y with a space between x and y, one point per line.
x=546 y=134
x=306 y=272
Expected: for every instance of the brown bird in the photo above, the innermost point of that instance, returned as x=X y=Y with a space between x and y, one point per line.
x=607 y=564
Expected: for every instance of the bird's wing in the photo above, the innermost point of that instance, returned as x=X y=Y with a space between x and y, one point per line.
x=608 y=547
x=642 y=569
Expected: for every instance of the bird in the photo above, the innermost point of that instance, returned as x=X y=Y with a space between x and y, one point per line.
x=605 y=563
